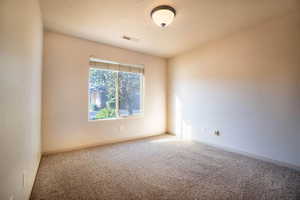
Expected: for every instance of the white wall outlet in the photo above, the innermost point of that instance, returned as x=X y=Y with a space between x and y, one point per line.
x=217 y=132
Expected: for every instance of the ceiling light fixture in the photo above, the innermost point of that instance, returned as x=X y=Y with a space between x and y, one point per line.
x=163 y=15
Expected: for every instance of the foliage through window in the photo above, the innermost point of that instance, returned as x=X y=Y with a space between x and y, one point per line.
x=114 y=94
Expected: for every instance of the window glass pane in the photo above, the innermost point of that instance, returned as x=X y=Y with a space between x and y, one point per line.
x=102 y=94
x=129 y=93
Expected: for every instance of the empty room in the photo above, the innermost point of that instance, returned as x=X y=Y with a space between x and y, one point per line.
x=150 y=99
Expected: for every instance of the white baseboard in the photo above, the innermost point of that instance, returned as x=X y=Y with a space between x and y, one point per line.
x=34 y=178
x=251 y=155
x=111 y=141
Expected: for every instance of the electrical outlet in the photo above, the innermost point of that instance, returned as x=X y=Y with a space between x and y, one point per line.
x=217 y=132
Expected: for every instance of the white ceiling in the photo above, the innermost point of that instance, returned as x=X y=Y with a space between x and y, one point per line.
x=196 y=22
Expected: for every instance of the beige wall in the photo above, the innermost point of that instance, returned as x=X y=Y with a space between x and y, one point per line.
x=65 y=90
x=247 y=86
x=20 y=96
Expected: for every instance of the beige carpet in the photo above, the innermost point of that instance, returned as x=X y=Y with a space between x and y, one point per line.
x=161 y=168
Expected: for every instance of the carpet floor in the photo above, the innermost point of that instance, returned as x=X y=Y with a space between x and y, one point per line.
x=161 y=168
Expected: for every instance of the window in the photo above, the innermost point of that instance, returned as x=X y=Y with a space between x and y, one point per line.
x=115 y=91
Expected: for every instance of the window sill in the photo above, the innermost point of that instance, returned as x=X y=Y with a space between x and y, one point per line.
x=138 y=116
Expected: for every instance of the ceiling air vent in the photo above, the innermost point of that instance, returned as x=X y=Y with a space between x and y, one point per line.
x=125 y=37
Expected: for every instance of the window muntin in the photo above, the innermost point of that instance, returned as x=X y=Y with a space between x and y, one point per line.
x=114 y=94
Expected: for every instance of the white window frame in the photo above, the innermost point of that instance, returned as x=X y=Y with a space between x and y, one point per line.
x=118 y=117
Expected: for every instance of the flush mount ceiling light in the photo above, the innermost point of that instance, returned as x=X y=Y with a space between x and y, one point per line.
x=163 y=15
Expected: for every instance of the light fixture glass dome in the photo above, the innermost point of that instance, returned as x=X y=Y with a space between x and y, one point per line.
x=163 y=15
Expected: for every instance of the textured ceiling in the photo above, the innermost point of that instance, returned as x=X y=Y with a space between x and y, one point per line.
x=196 y=22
